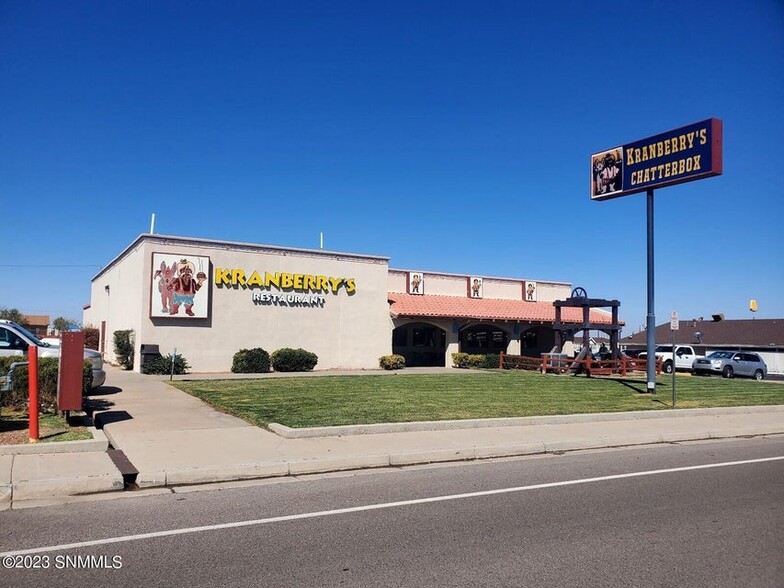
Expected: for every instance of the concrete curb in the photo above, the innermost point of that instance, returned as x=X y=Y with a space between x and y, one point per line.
x=42 y=489
x=6 y=463
x=347 y=430
x=264 y=470
x=98 y=443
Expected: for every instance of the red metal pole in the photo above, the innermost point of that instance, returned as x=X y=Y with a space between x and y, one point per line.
x=32 y=387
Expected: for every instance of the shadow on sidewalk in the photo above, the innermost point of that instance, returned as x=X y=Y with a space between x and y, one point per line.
x=104 y=391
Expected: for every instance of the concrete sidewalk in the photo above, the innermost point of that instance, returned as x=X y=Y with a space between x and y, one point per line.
x=175 y=439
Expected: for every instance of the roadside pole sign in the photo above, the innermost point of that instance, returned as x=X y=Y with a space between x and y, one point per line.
x=674 y=322
x=681 y=155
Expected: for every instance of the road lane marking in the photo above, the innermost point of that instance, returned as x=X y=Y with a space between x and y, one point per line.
x=369 y=507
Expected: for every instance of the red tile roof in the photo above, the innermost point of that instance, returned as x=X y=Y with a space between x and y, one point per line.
x=486 y=309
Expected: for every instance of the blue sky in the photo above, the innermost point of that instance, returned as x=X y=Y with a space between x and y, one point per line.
x=449 y=136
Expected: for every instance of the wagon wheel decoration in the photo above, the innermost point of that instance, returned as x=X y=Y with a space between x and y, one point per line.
x=579 y=293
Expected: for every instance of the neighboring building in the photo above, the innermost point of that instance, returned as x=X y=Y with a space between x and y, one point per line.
x=209 y=299
x=763 y=336
x=37 y=324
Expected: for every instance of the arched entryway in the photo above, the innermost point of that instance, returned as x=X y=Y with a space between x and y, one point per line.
x=422 y=344
x=536 y=341
x=479 y=339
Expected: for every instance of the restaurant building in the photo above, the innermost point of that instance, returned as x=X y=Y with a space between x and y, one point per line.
x=208 y=299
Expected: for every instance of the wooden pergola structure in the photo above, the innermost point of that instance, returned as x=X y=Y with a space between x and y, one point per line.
x=579 y=299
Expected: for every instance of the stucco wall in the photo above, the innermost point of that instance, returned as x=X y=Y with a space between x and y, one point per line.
x=348 y=330
x=121 y=305
x=493 y=287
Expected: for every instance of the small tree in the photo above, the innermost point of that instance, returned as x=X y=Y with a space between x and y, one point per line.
x=92 y=338
x=123 y=348
x=13 y=314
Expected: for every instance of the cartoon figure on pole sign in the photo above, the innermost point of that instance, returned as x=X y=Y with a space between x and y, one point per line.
x=179 y=284
x=607 y=172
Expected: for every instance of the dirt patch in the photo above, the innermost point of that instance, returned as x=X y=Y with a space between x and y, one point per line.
x=21 y=436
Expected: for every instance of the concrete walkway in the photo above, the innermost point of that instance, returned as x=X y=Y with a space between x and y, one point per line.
x=175 y=439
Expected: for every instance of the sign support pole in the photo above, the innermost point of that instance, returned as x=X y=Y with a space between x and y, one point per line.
x=650 y=332
x=673 y=366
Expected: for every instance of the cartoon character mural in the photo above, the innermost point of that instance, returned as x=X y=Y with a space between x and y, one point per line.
x=607 y=172
x=530 y=291
x=180 y=281
x=184 y=287
x=416 y=283
x=166 y=275
x=475 y=287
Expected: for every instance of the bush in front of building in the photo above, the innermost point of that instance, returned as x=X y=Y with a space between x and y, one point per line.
x=491 y=360
x=392 y=362
x=293 y=360
x=460 y=360
x=468 y=360
x=92 y=337
x=163 y=365
x=251 y=361
x=123 y=348
x=48 y=368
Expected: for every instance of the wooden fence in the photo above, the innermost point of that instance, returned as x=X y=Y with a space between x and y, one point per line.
x=558 y=364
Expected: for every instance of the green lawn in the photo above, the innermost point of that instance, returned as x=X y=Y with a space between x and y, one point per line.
x=349 y=400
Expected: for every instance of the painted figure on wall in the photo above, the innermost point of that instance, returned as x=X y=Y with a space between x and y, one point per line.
x=166 y=275
x=476 y=287
x=184 y=287
x=416 y=279
x=530 y=291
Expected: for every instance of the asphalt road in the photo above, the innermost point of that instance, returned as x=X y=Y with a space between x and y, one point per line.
x=649 y=516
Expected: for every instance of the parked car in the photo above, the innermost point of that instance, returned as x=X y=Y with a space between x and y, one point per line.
x=15 y=340
x=730 y=364
x=684 y=357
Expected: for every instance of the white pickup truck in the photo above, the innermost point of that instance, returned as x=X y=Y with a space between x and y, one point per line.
x=684 y=357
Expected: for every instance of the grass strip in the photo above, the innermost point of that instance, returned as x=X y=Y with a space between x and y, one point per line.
x=351 y=400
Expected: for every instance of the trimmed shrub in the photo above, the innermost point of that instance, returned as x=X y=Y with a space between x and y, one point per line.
x=48 y=368
x=251 y=361
x=92 y=338
x=392 y=362
x=163 y=365
x=460 y=360
x=293 y=360
x=491 y=360
x=123 y=348
x=485 y=360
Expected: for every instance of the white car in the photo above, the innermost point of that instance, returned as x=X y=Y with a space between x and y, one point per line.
x=15 y=340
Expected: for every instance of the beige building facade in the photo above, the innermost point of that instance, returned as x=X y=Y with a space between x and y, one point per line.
x=208 y=299
x=332 y=304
